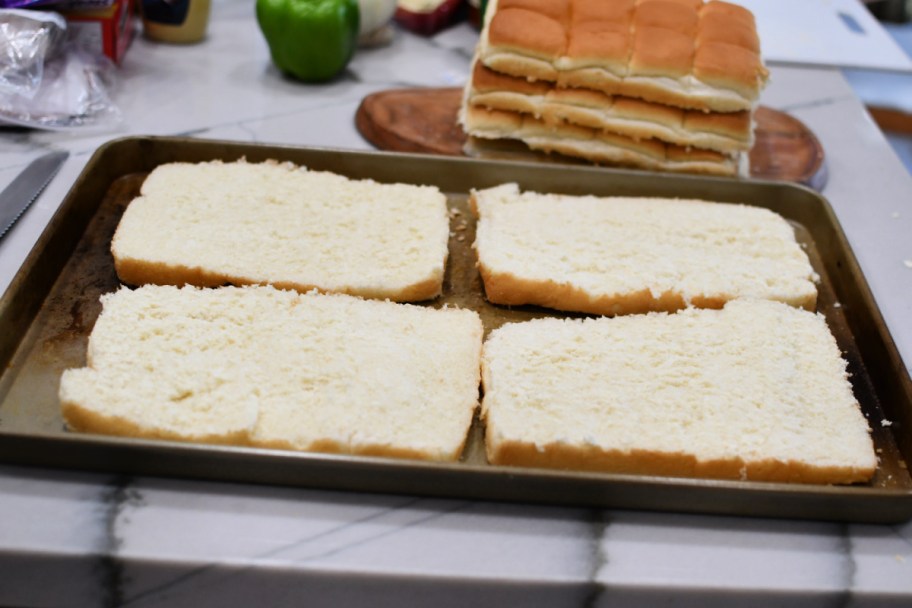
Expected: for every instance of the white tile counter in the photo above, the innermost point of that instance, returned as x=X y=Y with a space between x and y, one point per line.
x=86 y=539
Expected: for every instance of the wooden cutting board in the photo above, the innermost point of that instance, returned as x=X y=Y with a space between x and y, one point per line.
x=424 y=120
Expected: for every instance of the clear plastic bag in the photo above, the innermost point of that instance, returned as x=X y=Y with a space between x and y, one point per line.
x=67 y=89
x=27 y=39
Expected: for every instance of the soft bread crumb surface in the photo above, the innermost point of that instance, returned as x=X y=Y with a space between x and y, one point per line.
x=276 y=368
x=242 y=223
x=607 y=248
x=757 y=390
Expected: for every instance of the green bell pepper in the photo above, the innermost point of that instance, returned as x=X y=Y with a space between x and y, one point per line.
x=312 y=40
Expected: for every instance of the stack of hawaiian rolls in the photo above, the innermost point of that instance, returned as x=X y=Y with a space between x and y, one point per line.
x=654 y=84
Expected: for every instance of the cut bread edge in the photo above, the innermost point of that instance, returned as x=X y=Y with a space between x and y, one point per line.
x=509 y=290
x=78 y=417
x=588 y=458
x=137 y=272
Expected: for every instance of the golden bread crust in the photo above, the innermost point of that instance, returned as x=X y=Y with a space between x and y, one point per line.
x=331 y=446
x=143 y=272
x=727 y=66
x=510 y=290
x=670 y=464
x=533 y=33
x=683 y=53
x=555 y=9
x=598 y=44
x=661 y=52
x=85 y=420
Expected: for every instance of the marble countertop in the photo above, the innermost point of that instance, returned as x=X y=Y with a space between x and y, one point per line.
x=87 y=539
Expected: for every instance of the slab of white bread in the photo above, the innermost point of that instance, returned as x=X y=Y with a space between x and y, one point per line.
x=271 y=368
x=656 y=84
x=623 y=255
x=212 y=223
x=260 y=366
x=755 y=391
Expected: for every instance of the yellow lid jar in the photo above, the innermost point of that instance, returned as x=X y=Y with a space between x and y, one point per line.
x=177 y=21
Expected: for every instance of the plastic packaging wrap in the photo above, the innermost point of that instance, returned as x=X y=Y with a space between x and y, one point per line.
x=48 y=81
x=27 y=39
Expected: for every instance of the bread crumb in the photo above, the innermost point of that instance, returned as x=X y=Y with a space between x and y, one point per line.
x=837 y=304
x=886 y=422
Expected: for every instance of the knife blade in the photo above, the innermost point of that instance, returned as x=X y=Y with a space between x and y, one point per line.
x=26 y=187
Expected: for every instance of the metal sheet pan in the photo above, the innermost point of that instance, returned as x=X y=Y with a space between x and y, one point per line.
x=50 y=308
